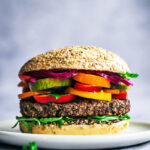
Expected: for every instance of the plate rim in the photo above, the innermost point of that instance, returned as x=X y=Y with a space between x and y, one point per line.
x=78 y=141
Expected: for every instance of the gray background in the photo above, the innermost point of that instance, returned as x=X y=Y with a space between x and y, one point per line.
x=30 y=27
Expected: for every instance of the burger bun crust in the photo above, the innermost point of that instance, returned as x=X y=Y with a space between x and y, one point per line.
x=77 y=57
x=96 y=129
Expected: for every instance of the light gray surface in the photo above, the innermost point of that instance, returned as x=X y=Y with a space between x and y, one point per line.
x=30 y=27
x=144 y=146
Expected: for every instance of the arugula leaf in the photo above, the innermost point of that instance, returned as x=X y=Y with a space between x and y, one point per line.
x=25 y=122
x=56 y=95
x=132 y=75
x=27 y=126
x=24 y=147
x=109 y=118
x=46 y=120
x=126 y=116
x=29 y=119
x=60 y=123
x=15 y=124
x=32 y=146
x=128 y=75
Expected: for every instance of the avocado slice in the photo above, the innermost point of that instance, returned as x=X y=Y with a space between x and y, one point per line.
x=47 y=83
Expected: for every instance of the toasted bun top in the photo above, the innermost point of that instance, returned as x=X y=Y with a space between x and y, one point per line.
x=77 y=57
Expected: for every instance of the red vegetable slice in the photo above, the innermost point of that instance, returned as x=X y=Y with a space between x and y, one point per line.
x=123 y=95
x=111 y=76
x=88 y=88
x=65 y=98
x=26 y=78
x=52 y=74
x=64 y=74
x=45 y=98
x=115 y=78
x=57 y=98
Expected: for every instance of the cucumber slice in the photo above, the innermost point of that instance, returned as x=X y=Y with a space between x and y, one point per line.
x=120 y=87
x=47 y=83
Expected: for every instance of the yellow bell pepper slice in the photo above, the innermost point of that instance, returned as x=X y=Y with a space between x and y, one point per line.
x=91 y=95
x=92 y=80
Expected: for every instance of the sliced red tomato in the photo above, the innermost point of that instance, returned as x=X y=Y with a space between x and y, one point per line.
x=44 y=98
x=88 y=88
x=25 y=78
x=57 y=98
x=65 y=98
x=123 y=95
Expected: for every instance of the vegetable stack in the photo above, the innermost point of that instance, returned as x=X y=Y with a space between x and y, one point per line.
x=75 y=90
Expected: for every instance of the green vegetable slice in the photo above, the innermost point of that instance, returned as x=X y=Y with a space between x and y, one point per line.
x=48 y=83
x=120 y=87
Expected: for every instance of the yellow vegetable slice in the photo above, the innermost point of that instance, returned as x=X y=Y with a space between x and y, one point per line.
x=91 y=95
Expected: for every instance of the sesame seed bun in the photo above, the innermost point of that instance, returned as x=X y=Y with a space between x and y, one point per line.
x=95 y=129
x=77 y=57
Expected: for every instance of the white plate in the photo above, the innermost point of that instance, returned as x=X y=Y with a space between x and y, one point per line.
x=137 y=133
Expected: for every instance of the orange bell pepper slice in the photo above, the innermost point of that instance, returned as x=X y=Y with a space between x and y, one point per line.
x=31 y=93
x=92 y=80
x=91 y=95
x=122 y=91
x=28 y=94
x=114 y=91
x=22 y=84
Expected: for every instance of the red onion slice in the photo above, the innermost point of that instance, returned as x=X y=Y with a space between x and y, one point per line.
x=51 y=74
x=115 y=78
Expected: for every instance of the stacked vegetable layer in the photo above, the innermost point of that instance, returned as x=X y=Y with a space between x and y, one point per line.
x=55 y=86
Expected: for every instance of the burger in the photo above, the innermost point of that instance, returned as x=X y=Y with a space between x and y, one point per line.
x=77 y=90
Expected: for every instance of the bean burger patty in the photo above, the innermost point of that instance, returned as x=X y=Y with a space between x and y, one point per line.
x=80 y=107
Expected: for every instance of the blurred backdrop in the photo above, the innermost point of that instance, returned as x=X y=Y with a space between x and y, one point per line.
x=30 y=27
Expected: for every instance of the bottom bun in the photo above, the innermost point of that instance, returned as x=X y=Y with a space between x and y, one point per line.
x=95 y=129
